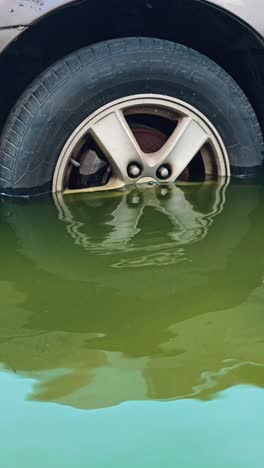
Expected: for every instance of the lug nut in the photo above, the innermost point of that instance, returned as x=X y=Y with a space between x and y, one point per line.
x=163 y=172
x=164 y=192
x=134 y=198
x=134 y=170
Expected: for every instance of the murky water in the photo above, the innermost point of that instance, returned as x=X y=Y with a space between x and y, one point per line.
x=132 y=329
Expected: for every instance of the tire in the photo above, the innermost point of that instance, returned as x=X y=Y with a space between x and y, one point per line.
x=76 y=86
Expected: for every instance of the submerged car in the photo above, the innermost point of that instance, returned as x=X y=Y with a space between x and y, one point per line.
x=97 y=95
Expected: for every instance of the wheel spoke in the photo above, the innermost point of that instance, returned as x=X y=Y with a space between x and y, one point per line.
x=113 y=184
x=128 y=218
x=116 y=140
x=185 y=142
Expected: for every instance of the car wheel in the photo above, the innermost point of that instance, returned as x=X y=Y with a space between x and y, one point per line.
x=128 y=111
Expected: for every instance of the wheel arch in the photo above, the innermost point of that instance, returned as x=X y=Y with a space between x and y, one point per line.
x=194 y=23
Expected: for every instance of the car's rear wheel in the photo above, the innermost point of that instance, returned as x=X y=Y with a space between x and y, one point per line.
x=128 y=111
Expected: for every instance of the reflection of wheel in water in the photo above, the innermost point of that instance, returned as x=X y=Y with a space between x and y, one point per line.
x=151 y=333
x=190 y=210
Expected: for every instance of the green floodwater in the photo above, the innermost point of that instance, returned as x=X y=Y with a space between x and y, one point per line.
x=132 y=329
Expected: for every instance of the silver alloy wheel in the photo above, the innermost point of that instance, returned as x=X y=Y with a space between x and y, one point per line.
x=109 y=128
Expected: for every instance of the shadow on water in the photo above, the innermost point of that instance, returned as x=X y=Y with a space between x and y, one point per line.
x=147 y=294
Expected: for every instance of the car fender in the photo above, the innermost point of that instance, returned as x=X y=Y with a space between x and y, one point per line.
x=24 y=12
x=18 y=15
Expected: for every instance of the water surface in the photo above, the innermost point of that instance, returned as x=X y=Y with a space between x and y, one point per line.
x=132 y=329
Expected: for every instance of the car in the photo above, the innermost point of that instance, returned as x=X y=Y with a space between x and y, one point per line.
x=100 y=94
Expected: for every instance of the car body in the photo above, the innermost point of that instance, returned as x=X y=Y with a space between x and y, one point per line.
x=19 y=14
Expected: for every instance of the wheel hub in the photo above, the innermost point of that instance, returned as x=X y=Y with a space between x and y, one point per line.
x=150 y=141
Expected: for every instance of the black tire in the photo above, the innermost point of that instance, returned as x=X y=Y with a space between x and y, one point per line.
x=69 y=91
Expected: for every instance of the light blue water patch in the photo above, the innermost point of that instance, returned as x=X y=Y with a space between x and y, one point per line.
x=227 y=432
